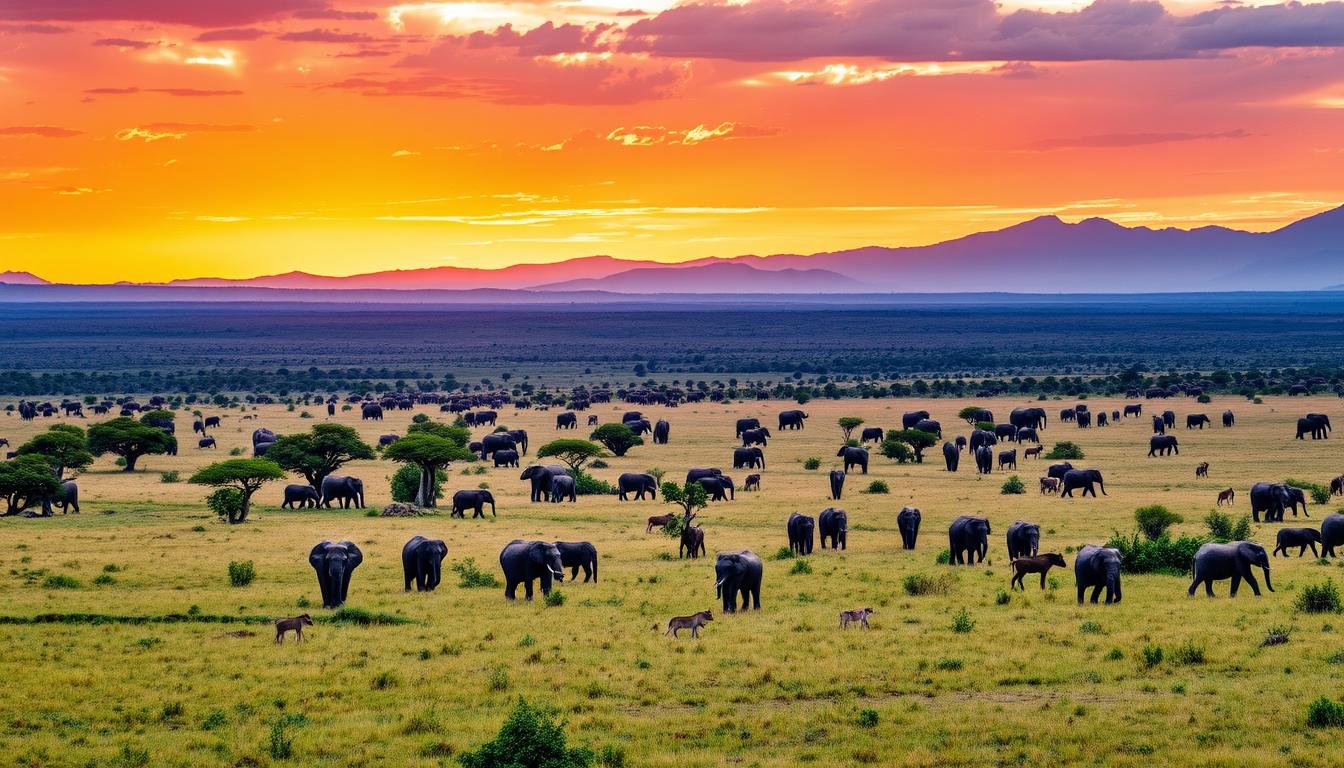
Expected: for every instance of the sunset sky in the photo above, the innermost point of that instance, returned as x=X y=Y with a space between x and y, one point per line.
x=156 y=139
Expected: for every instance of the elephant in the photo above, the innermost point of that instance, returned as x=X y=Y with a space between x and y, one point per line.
x=1005 y=432
x=1028 y=435
x=386 y=440
x=1317 y=424
x=525 y=561
x=1098 y=567
x=911 y=418
x=1102 y=419
x=475 y=500
x=951 y=456
x=1297 y=496
x=791 y=420
x=744 y=424
x=562 y=487
x=907 y=520
x=198 y=426
x=1028 y=418
x=300 y=495
x=640 y=427
x=66 y=497
x=1068 y=414
x=984 y=460
x=1169 y=419
x=263 y=435
x=566 y=420
x=507 y=457
x=347 y=490
x=335 y=563
x=854 y=457
x=960 y=442
x=1082 y=478
x=422 y=561
x=1297 y=537
x=1215 y=562
x=837 y=483
x=1163 y=445
x=833 y=524
x=371 y=412
x=800 y=530
x=739 y=572
x=1024 y=539
x=871 y=435
x=1084 y=419
x=211 y=421
x=1193 y=420
x=758 y=436
x=1229 y=418
x=540 y=475
x=519 y=438
x=331 y=409
x=1134 y=409
x=639 y=484
x=206 y=442
x=631 y=416
x=1008 y=458
x=748 y=458
x=1159 y=426
x=1332 y=534
x=1270 y=498
x=983 y=437
x=496 y=442
x=719 y=487
x=968 y=540
x=693 y=475
x=660 y=432
x=576 y=555
x=929 y=425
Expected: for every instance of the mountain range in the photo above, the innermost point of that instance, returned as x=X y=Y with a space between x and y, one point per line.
x=1042 y=255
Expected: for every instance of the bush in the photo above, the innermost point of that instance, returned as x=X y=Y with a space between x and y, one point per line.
x=1001 y=597
x=916 y=584
x=1325 y=713
x=868 y=718
x=944 y=557
x=783 y=553
x=1188 y=653
x=962 y=622
x=1320 y=494
x=599 y=464
x=555 y=598
x=812 y=463
x=1204 y=399
x=1319 y=598
x=533 y=734
x=1065 y=450
x=1174 y=557
x=800 y=566
x=241 y=573
x=1222 y=529
x=1013 y=486
x=406 y=483
x=470 y=576
x=587 y=485
x=60 y=581
x=672 y=528
x=227 y=502
x=878 y=486
x=1152 y=655
x=1155 y=519
x=171 y=476
x=281 y=745
x=896 y=450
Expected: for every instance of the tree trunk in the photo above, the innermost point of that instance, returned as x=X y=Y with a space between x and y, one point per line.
x=242 y=512
x=424 y=497
x=130 y=462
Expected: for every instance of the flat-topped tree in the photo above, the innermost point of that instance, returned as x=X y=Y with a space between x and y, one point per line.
x=129 y=439
x=917 y=439
x=431 y=447
x=64 y=446
x=25 y=481
x=242 y=476
x=690 y=497
x=159 y=418
x=320 y=452
x=848 y=424
x=618 y=438
x=574 y=452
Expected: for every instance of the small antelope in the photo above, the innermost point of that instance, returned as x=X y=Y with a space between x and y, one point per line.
x=1202 y=470
x=1049 y=485
x=1039 y=564
x=1229 y=496
x=693 y=622
x=1033 y=453
x=860 y=615
x=297 y=624
x=753 y=483
x=658 y=521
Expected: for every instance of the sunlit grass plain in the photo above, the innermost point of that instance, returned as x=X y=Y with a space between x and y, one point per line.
x=1036 y=680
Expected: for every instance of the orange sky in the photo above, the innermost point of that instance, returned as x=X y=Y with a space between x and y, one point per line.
x=155 y=139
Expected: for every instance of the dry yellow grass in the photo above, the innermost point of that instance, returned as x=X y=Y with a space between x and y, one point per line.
x=1035 y=680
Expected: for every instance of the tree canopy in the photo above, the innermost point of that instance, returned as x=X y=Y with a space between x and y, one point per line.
x=431 y=450
x=245 y=476
x=157 y=418
x=129 y=439
x=25 y=481
x=618 y=438
x=689 y=497
x=320 y=452
x=64 y=446
x=917 y=440
x=848 y=424
x=573 y=451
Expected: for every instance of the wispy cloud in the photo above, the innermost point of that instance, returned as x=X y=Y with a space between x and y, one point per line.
x=649 y=136
x=43 y=131
x=185 y=92
x=158 y=131
x=1132 y=139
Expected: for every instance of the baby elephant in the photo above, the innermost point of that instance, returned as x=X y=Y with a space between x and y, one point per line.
x=861 y=616
x=1300 y=538
x=693 y=622
x=297 y=624
x=1039 y=564
x=1049 y=485
x=753 y=483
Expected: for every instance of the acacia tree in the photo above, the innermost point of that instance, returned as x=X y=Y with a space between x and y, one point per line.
x=26 y=480
x=64 y=446
x=916 y=439
x=690 y=497
x=618 y=438
x=158 y=418
x=243 y=477
x=128 y=439
x=431 y=449
x=320 y=452
x=573 y=451
x=969 y=414
x=848 y=424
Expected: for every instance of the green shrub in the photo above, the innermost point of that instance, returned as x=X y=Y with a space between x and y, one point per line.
x=1325 y=713
x=812 y=463
x=241 y=573
x=985 y=426
x=406 y=483
x=384 y=680
x=878 y=486
x=800 y=566
x=1188 y=653
x=1155 y=519
x=530 y=737
x=1319 y=598
x=60 y=581
x=215 y=719
x=471 y=576
x=1221 y=528
x=949 y=665
x=227 y=502
x=587 y=485
x=1164 y=554
x=868 y=718
x=962 y=622
x=1320 y=494
x=944 y=557
x=555 y=598
x=1001 y=597
x=281 y=745
x=783 y=553
x=1065 y=450
x=1013 y=486
x=1090 y=628
x=599 y=464
x=672 y=528
x=916 y=584
x=1152 y=655
x=235 y=451
x=171 y=476
x=897 y=451
x=1204 y=399
x=104 y=579
x=1115 y=654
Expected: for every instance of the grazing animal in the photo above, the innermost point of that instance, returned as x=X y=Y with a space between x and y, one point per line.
x=1215 y=562
x=692 y=539
x=1039 y=564
x=1033 y=453
x=1008 y=459
x=206 y=442
x=1230 y=496
x=907 y=520
x=837 y=484
x=1202 y=470
x=592 y=420
x=860 y=615
x=693 y=622
x=753 y=483
x=658 y=521
x=296 y=624
x=1297 y=537
x=1337 y=486
x=1049 y=485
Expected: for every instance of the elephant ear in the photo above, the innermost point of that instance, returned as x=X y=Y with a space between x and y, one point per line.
x=318 y=555
x=1250 y=551
x=353 y=557
x=441 y=547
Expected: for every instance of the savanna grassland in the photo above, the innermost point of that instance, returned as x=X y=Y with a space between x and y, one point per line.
x=1036 y=680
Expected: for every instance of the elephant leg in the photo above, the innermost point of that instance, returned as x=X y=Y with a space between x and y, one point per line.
x=527 y=589
x=1250 y=579
x=510 y=589
x=1236 y=583
x=1096 y=592
x=1312 y=544
x=1015 y=581
x=1024 y=589
x=1193 y=586
x=574 y=573
x=1083 y=588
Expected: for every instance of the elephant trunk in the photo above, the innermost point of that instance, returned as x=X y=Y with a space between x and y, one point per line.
x=1268 y=585
x=1102 y=485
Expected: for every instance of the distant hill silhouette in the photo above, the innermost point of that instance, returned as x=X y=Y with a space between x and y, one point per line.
x=21 y=278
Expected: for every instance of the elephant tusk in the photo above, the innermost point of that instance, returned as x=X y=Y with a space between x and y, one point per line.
x=558 y=573
x=720 y=583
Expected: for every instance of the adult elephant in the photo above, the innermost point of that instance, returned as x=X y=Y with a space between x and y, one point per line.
x=800 y=529
x=640 y=427
x=349 y=491
x=334 y=563
x=984 y=460
x=1098 y=567
x=507 y=457
x=300 y=495
x=982 y=437
x=1084 y=479
x=951 y=456
x=744 y=424
x=386 y=440
x=1215 y=562
x=422 y=562
x=540 y=475
x=1193 y=420
x=695 y=474
x=719 y=487
x=1332 y=534
x=1270 y=498
x=833 y=524
x=496 y=442
x=1317 y=424
x=739 y=572
x=576 y=555
x=1102 y=419
x=475 y=500
x=562 y=489
x=928 y=425
x=1169 y=419
x=1084 y=419
x=1005 y=432
x=567 y=420
x=1068 y=414
x=371 y=412
x=968 y=540
x=661 y=431
x=853 y=457
x=263 y=435
x=1134 y=409
x=1024 y=539
x=1297 y=537
x=1028 y=418
x=907 y=521
x=911 y=418
x=748 y=458
x=837 y=483
x=1028 y=435
x=791 y=419
x=66 y=497
x=758 y=436
x=1159 y=426
x=638 y=484
x=980 y=414
x=520 y=437
x=525 y=561
x=1163 y=445
x=1229 y=419
x=871 y=435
